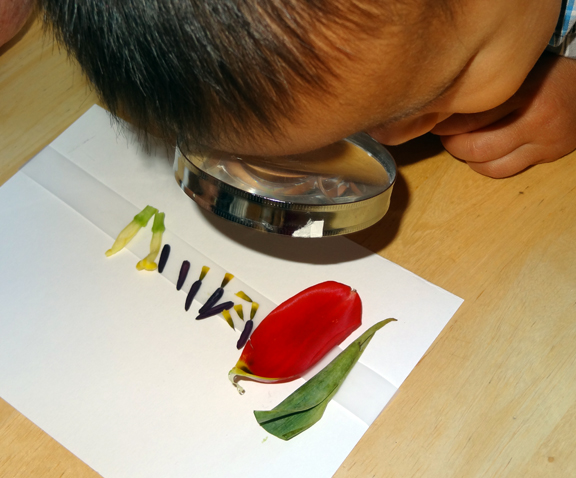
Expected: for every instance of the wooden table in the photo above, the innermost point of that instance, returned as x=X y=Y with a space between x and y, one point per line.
x=496 y=393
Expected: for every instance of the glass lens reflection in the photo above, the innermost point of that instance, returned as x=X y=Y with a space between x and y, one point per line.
x=336 y=174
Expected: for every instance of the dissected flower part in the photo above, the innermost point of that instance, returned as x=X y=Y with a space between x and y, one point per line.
x=298 y=333
x=304 y=407
x=158 y=229
x=140 y=220
x=215 y=310
x=243 y=296
x=253 y=309
x=164 y=257
x=249 y=325
x=239 y=310
x=184 y=268
x=213 y=299
x=245 y=335
x=195 y=288
x=192 y=293
x=228 y=317
x=217 y=294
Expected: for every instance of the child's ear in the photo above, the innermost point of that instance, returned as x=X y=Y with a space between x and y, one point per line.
x=13 y=16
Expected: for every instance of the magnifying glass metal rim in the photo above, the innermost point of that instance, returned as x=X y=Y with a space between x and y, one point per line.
x=285 y=217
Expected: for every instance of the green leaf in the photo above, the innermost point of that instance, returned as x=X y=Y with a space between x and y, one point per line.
x=304 y=407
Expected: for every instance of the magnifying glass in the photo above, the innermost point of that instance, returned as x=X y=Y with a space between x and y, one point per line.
x=338 y=189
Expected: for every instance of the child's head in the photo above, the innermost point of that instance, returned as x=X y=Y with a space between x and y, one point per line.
x=285 y=76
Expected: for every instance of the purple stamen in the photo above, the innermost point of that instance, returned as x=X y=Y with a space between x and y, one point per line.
x=163 y=257
x=183 y=273
x=215 y=310
x=245 y=335
x=213 y=300
x=192 y=293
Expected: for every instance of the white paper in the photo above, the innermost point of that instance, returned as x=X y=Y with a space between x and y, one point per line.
x=105 y=359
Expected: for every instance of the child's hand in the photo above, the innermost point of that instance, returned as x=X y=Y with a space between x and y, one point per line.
x=536 y=125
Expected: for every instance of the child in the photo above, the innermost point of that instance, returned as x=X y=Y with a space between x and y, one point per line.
x=274 y=77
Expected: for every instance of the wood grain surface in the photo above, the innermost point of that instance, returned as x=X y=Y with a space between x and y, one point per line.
x=495 y=396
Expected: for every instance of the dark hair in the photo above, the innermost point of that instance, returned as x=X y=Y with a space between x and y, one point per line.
x=197 y=69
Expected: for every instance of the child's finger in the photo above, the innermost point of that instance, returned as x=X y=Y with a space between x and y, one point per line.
x=513 y=163
x=465 y=123
x=489 y=143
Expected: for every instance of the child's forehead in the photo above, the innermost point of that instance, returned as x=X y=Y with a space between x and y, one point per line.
x=377 y=80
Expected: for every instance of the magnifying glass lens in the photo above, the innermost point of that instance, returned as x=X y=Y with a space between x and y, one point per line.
x=336 y=174
x=338 y=189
